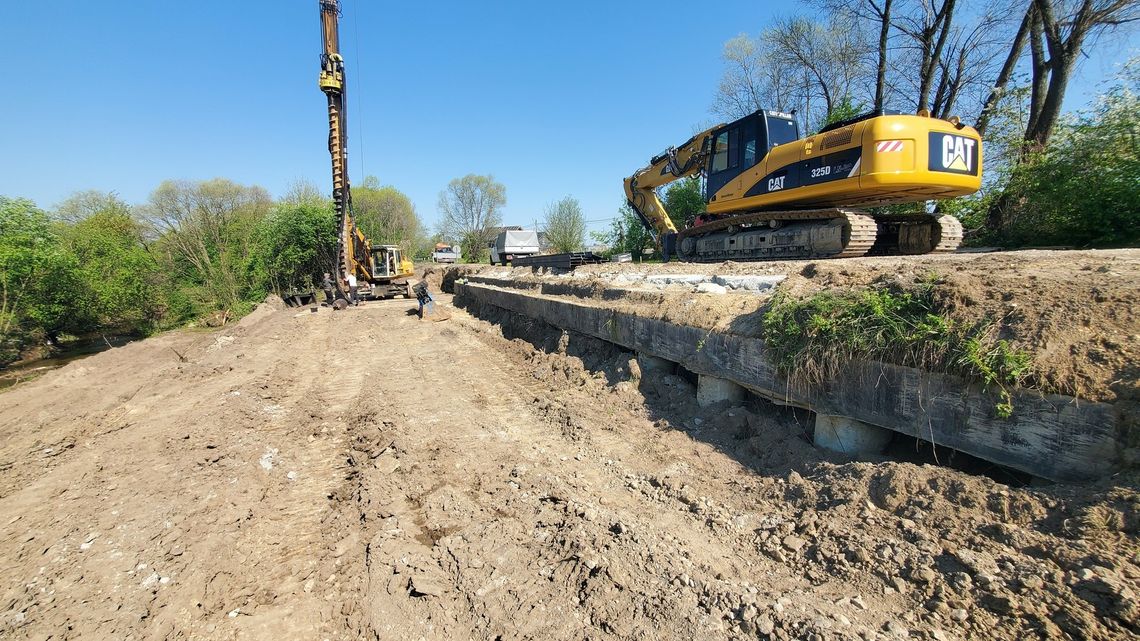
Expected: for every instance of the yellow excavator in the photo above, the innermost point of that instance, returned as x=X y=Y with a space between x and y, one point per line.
x=772 y=195
x=381 y=271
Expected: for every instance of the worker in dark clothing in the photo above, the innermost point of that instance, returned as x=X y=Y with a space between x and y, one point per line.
x=327 y=288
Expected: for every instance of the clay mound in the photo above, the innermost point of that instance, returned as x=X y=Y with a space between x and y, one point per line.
x=266 y=308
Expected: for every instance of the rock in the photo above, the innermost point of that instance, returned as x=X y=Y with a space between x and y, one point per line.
x=424 y=586
x=895 y=628
x=923 y=575
x=794 y=543
x=976 y=562
x=1000 y=604
x=959 y=614
x=634 y=370
x=765 y=625
x=711 y=288
x=937 y=605
x=387 y=464
x=1032 y=582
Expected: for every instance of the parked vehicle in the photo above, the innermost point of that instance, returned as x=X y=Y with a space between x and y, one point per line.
x=445 y=253
x=512 y=244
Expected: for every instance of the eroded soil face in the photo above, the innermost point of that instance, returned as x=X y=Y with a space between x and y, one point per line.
x=361 y=474
x=1076 y=312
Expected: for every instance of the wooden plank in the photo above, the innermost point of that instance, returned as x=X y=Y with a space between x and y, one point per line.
x=1051 y=436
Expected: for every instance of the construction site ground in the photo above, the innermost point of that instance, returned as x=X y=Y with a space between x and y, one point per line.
x=364 y=475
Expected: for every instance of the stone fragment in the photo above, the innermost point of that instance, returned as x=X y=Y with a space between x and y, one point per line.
x=424 y=586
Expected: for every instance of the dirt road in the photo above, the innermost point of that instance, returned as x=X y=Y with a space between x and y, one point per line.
x=317 y=476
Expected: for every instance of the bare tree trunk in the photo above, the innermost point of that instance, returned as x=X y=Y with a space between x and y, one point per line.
x=881 y=72
x=1040 y=73
x=953 y=86
x=1006 y=72
x=1062 y=54
x=932 y=50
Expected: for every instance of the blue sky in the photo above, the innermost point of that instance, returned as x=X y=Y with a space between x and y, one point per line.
x=553 y=99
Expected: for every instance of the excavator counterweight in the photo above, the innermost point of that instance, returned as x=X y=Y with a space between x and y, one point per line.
x=772 y=195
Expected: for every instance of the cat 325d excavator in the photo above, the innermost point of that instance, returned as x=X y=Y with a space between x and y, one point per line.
x=772 y=195
x=381 y=271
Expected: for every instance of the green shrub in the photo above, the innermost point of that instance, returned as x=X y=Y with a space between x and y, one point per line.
x=1083 y=190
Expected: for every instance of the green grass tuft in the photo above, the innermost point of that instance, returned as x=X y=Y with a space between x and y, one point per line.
x=810 y=340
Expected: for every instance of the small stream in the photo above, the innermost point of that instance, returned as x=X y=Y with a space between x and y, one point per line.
x=26 y=370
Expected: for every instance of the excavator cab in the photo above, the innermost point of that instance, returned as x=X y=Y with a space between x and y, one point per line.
x=739 y=145
x=388 y=262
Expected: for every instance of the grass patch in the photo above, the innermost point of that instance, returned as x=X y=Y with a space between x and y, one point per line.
x=811 y=340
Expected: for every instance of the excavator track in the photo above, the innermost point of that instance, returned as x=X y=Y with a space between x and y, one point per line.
x=915 y=234
x=818 y=233
x=850 y=234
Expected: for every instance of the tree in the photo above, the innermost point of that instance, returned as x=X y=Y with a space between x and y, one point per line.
x=304 y=192
x=205 y=230
x=565 y=225
x=120 y=276
x=40 y=294
x=1006 y=72
x=927 y=26
x=1065 y=25
x=471 y=210
x=684 y=200
x=797 y=64
x=82 y=205
x=386 y=215
x=1080 y=190
x=626 y=234
x=293 y=246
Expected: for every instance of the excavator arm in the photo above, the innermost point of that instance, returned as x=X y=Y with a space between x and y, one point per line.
x=672 y=164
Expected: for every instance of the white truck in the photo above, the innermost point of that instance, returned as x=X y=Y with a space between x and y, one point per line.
x=512 y=244
x=445 y=254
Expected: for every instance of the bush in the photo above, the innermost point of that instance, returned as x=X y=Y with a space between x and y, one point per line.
x=291 y=247
x=1082 y=189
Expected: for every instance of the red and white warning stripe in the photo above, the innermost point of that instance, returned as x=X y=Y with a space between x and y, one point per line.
x=889 y=145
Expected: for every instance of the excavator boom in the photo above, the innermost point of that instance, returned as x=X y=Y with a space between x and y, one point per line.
x=672 y=164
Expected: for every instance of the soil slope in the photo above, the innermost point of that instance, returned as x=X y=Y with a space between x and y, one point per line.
x=360 y=474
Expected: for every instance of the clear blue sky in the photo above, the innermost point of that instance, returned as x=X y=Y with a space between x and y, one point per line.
x=551 y=98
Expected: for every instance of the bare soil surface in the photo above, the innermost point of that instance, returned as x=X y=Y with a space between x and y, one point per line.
x=1076 y=312
x=363 y=475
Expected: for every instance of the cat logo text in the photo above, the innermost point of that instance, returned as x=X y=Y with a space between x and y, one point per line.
x=953 y=154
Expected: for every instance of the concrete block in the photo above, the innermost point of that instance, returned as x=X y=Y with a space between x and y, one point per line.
x=711 y=288
x=676 y=279
x=849 y=436
x=712 y=390
x=654 y=365
x=749 y=283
